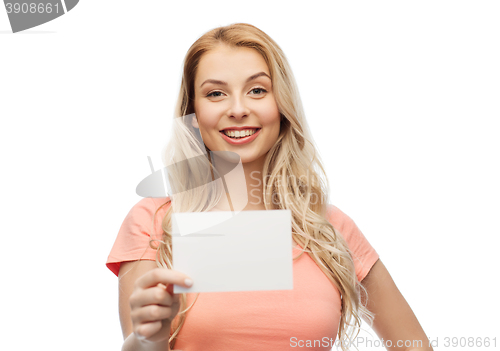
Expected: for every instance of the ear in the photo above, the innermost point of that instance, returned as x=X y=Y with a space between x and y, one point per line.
x=194 y=122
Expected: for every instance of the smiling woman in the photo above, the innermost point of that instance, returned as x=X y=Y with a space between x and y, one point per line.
x=238 y=94
x=234 y=92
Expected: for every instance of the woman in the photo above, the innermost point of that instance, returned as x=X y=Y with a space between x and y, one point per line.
x=238 y=94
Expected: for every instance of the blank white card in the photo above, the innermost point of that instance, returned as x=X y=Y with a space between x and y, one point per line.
x=233 y=251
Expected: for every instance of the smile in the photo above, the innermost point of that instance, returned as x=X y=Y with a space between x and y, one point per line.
x=238 y=137
x=239 y=133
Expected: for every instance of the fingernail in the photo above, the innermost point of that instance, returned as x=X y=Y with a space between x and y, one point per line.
x=188 y=282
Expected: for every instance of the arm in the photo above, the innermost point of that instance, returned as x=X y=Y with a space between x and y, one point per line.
x=394 y=319
x=146 y=306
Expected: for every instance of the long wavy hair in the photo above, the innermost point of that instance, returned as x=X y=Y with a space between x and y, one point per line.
x=285 y=184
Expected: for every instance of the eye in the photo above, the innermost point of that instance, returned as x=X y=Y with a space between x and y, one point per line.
x=215 y=94
x=258 y=91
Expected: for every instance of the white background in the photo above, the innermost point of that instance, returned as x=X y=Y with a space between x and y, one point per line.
x=402 y=100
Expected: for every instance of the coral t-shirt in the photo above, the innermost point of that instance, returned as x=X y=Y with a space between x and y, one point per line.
x=306 y=317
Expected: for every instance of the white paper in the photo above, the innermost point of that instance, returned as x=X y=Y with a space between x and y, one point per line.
x=229 y=251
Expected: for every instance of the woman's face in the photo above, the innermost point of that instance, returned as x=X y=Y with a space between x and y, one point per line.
x=234 y=96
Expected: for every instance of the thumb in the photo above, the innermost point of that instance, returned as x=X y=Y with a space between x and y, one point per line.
x=170 y=289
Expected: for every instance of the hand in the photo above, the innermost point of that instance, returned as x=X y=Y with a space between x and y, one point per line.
x=153 y=305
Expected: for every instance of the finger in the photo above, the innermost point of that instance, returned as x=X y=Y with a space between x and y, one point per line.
x=147 y=330
x=175 y=306
x=164 y=276
x=157 y=295
x=170 y=289
x=152 y=313
x=176 y=299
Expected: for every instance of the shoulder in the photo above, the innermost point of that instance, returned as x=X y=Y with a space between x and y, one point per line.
x=147 y=208
x=340 y=221
x=142 y=224
x=363 y=254
x=151 y=203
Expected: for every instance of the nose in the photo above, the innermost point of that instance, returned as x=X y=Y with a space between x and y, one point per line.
x=238 y=108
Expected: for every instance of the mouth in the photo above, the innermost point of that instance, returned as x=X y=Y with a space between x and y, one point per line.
x=239 y=134
x=239 y=137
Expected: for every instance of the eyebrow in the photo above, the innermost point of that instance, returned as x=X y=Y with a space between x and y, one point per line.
x=220 y=82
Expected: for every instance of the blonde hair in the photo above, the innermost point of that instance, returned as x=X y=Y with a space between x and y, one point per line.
x=285 y=186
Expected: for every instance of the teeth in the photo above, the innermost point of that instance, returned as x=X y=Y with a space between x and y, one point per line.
x=239 y=133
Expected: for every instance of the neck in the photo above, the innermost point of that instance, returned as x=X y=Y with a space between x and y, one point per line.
x=254 y=178
x=252 y=173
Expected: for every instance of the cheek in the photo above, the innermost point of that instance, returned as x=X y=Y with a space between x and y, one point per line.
x=270 y=115
x=206 y=115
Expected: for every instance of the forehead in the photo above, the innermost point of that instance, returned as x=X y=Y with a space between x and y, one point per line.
x=228 y=63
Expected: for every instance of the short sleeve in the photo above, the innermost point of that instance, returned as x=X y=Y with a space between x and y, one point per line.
x=136 y=232
x=363 y=254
